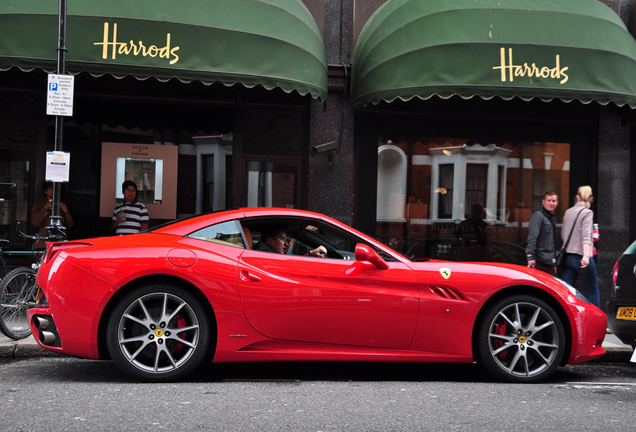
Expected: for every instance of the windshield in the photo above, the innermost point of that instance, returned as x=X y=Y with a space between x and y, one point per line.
x=631 y=250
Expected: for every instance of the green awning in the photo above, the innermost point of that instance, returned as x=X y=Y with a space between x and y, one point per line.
x=546 y=49
x=274 y=43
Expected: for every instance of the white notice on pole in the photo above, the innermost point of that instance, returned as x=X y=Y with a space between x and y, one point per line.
x=58 y=166
x=59 y=95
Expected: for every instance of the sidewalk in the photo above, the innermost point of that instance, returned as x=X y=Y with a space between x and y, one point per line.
x=617 y=352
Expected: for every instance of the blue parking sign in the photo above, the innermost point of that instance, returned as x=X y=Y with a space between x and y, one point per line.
x=59 y=95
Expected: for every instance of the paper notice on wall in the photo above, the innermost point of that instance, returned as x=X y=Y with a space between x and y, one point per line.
x=58 y=166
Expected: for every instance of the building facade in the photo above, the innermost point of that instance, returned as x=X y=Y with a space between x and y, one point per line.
x=436 y=129
x=436 y=134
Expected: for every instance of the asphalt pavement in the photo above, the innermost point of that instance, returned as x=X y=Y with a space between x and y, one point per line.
x=616 y=351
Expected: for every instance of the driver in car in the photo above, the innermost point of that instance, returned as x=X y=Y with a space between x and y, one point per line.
x=274 y=239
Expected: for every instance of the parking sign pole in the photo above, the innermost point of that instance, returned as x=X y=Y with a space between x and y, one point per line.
x=55 y=229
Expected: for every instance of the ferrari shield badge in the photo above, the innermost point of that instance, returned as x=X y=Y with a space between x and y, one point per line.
x=445 y=272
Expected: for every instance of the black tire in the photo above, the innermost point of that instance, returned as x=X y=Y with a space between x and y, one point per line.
x=144 y=337
x=520 y=339
x=17 y=294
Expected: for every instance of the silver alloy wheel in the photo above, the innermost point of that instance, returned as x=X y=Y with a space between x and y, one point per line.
x=158 y=333
x=523 y=339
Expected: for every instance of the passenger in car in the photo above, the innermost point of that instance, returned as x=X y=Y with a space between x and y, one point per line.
x=274 y=239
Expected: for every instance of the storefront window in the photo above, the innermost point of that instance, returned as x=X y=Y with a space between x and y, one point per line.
x=470 y=200
x=444 y=193
x=476 y=186
x=208 y=183
x=271 y=184
x=207 y=162
x=392 y=165
x=14 y=192
x=147 y=175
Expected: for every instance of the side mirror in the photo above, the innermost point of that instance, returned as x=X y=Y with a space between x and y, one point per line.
x=366 y=253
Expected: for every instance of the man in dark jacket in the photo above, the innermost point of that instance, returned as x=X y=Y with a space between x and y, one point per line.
x=541 y=249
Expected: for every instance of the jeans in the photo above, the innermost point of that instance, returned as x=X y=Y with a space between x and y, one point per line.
x=572 y=269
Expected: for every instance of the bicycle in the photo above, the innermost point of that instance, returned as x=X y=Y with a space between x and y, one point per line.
x=18 y=292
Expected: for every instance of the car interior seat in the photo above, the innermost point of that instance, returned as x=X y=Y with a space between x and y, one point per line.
x=248 y=237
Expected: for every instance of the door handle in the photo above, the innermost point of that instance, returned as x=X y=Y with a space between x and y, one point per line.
x=247 y=276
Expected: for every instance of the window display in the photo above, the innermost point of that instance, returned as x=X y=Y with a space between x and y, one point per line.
x=466 y=200
x=152 y=167
x=271 y=184
x=146 y=173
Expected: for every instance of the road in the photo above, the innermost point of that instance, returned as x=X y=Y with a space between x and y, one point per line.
x=67 y=394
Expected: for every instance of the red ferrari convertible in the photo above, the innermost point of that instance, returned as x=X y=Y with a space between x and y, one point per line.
x=220 y=288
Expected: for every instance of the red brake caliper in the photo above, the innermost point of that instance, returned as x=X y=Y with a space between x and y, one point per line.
x=181 y=322
x=500 y=329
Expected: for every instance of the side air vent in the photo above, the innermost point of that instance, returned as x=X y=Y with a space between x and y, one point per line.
x=445 y=292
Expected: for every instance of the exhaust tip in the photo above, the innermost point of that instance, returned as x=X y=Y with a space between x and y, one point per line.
x=41 y=323
x=47 y=338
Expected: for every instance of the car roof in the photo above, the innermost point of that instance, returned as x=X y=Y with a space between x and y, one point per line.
x=188 y=225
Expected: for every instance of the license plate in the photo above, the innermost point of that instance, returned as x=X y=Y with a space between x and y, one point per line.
x=626 y=313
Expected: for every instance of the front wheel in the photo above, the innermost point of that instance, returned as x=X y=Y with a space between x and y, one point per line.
x=520 y=339
x=158 y=333
x=17 y=294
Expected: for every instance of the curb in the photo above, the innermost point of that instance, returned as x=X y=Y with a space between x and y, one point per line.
x=615 y=350
x=615 y=355
x=23 y=348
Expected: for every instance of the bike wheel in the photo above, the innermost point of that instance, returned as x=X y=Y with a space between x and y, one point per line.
x=17 y=294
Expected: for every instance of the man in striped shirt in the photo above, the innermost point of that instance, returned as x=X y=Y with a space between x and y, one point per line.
x=131 y=216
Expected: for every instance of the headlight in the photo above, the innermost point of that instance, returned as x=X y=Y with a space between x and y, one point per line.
x=576 y=293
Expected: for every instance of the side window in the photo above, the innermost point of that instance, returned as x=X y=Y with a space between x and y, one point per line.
x=301 y=236
x=227 y=233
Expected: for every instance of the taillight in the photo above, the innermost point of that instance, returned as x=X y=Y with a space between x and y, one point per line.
x=52 y=249
x=49 y=252
x=615 y=276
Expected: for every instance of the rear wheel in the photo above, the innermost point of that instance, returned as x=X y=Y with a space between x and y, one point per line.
x=158 y=333
x=520 y=339
x=17 y=294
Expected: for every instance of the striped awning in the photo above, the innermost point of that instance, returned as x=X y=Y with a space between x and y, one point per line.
x=272 y=43
x=546 y=49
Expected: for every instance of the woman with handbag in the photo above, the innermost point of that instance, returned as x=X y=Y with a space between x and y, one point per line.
x=577 y=229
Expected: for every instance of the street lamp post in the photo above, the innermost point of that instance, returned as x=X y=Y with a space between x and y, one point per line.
x=55 y=229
